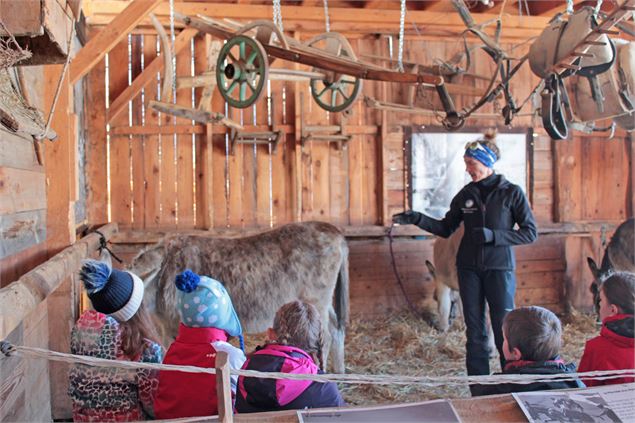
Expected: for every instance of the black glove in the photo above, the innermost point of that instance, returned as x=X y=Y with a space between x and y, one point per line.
x=482 y=235
x=409 y=217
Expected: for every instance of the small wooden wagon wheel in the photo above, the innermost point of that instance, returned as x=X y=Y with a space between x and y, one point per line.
x=335 y=92
x=241 y=71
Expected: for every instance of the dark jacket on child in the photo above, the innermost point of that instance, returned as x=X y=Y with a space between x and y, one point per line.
x=256 y=395
x=614 y=349
x=549 y=367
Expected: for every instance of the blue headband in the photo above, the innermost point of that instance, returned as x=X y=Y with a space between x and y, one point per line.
x=482 y=153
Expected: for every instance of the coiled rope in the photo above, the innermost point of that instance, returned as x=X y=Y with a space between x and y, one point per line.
x=31 y=352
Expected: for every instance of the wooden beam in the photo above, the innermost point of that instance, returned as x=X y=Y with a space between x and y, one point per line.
x=148 y=75
x=377 y=17
x=107 y=38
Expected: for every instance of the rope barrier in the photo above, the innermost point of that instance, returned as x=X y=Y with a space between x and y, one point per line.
x=31 y=352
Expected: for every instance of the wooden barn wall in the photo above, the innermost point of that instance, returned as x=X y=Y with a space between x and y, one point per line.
x=23 y=189
x=166 y=174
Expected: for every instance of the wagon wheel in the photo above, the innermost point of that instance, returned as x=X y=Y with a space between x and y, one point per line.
x=241 y=71
x=335 y=92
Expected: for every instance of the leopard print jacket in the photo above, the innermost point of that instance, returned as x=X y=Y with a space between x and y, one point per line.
x=107 y=394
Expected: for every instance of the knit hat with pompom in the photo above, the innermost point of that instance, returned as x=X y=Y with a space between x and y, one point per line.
x=111 y=291
x=203 y=302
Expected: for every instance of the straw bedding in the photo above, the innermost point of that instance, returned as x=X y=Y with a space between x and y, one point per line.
x=407 y=345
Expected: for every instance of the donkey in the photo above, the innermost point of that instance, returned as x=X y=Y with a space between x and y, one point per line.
x=618 y=256
x=306 y=261
x=446 y=282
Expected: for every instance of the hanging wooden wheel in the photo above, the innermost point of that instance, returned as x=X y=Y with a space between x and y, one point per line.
x=335 y=92
x=242 y=71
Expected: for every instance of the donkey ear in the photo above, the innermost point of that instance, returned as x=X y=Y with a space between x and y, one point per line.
x=431 y=268
x=595 y=271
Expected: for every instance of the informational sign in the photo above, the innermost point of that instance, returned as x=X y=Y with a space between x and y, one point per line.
x=612 y=403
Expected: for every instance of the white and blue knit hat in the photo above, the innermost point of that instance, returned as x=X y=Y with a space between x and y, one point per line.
x=203 y=302
x=113 y=292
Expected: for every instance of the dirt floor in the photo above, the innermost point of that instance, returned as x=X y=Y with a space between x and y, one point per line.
x=403 y=344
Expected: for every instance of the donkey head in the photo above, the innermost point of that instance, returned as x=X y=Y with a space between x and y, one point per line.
x=600 y=274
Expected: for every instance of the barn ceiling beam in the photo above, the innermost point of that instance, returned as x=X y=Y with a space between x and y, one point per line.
x=101 y=11
x=124 y=21
x=148 y=75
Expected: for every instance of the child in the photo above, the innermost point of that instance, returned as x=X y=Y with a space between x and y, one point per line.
x=120 y=328
x=208 y=319
x=532 y=337
x=614 y=349
x=294 y=343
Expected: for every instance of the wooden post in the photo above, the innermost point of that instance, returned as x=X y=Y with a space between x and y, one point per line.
x=223 y=388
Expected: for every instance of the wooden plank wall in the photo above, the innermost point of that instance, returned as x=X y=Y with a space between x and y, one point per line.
x=188 y=183
x=23 y=188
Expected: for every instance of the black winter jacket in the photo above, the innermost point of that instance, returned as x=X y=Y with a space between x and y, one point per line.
x=505 y=206
x=551 y=367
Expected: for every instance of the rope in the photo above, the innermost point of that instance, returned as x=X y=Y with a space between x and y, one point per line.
x=277 y=15
x=172 y=41
x=103 y=245
x=402 y=20
x=31 y=352
x=327 y=22
x=598 y=6
x=569 y=7
x=394 y=269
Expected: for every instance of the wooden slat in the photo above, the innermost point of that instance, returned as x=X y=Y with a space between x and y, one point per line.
x=250 y=170
x=120 y=192
x=185 y=164
x=567 y=179
x=108 y=37
x=282 y=163
x=262 y=187
x=96 y=146
x=59 y=157
x=203 y=145
x=21 y=231
x=235 y=172
x=23 y=18
x=17 y=152
x=148 y=76
x=355 y=175
x=137 y=155
x=151 y=160
x=21 y=190
x=14 y=266
x=369 y=208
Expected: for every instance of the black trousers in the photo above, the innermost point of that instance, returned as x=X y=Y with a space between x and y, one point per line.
x=498 y=288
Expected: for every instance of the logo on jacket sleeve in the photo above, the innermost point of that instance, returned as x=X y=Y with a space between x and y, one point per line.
x=469 y=203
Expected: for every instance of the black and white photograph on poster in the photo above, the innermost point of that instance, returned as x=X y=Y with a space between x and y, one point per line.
x=604 y=404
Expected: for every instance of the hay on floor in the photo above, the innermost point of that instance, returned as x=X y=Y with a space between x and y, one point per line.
x=403 y=344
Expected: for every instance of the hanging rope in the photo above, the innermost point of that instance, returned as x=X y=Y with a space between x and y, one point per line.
x=327 y=22
x=598 y=6
x=277 y=15
x=569 y=7
x=172 y=41
x=402 y=21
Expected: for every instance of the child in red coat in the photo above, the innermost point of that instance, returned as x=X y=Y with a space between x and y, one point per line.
x=614 y=349
x=208 y=320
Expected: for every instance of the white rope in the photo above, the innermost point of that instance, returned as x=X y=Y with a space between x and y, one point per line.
x=598 y=6
x=172 y=41
x=31 y=352
x=569 y=7
x=402 y=21
x=277 y=15
x=327 y=22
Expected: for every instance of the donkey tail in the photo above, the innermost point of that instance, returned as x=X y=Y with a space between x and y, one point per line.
x=341 y=299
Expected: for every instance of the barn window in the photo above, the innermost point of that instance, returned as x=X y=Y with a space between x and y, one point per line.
x=437 y=170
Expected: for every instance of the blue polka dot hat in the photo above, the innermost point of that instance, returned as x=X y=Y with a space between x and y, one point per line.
x=203 y=302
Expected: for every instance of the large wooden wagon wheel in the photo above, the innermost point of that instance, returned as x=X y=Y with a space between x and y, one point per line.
x=242 y=71
x=335 y=92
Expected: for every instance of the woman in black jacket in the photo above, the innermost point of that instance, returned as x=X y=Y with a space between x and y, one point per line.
x=490 y=207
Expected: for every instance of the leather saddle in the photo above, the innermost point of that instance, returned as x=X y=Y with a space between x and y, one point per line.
x=617 y=86
x=557 y=42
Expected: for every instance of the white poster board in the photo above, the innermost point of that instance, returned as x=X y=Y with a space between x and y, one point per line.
x=612 y=403
x=438 y=171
